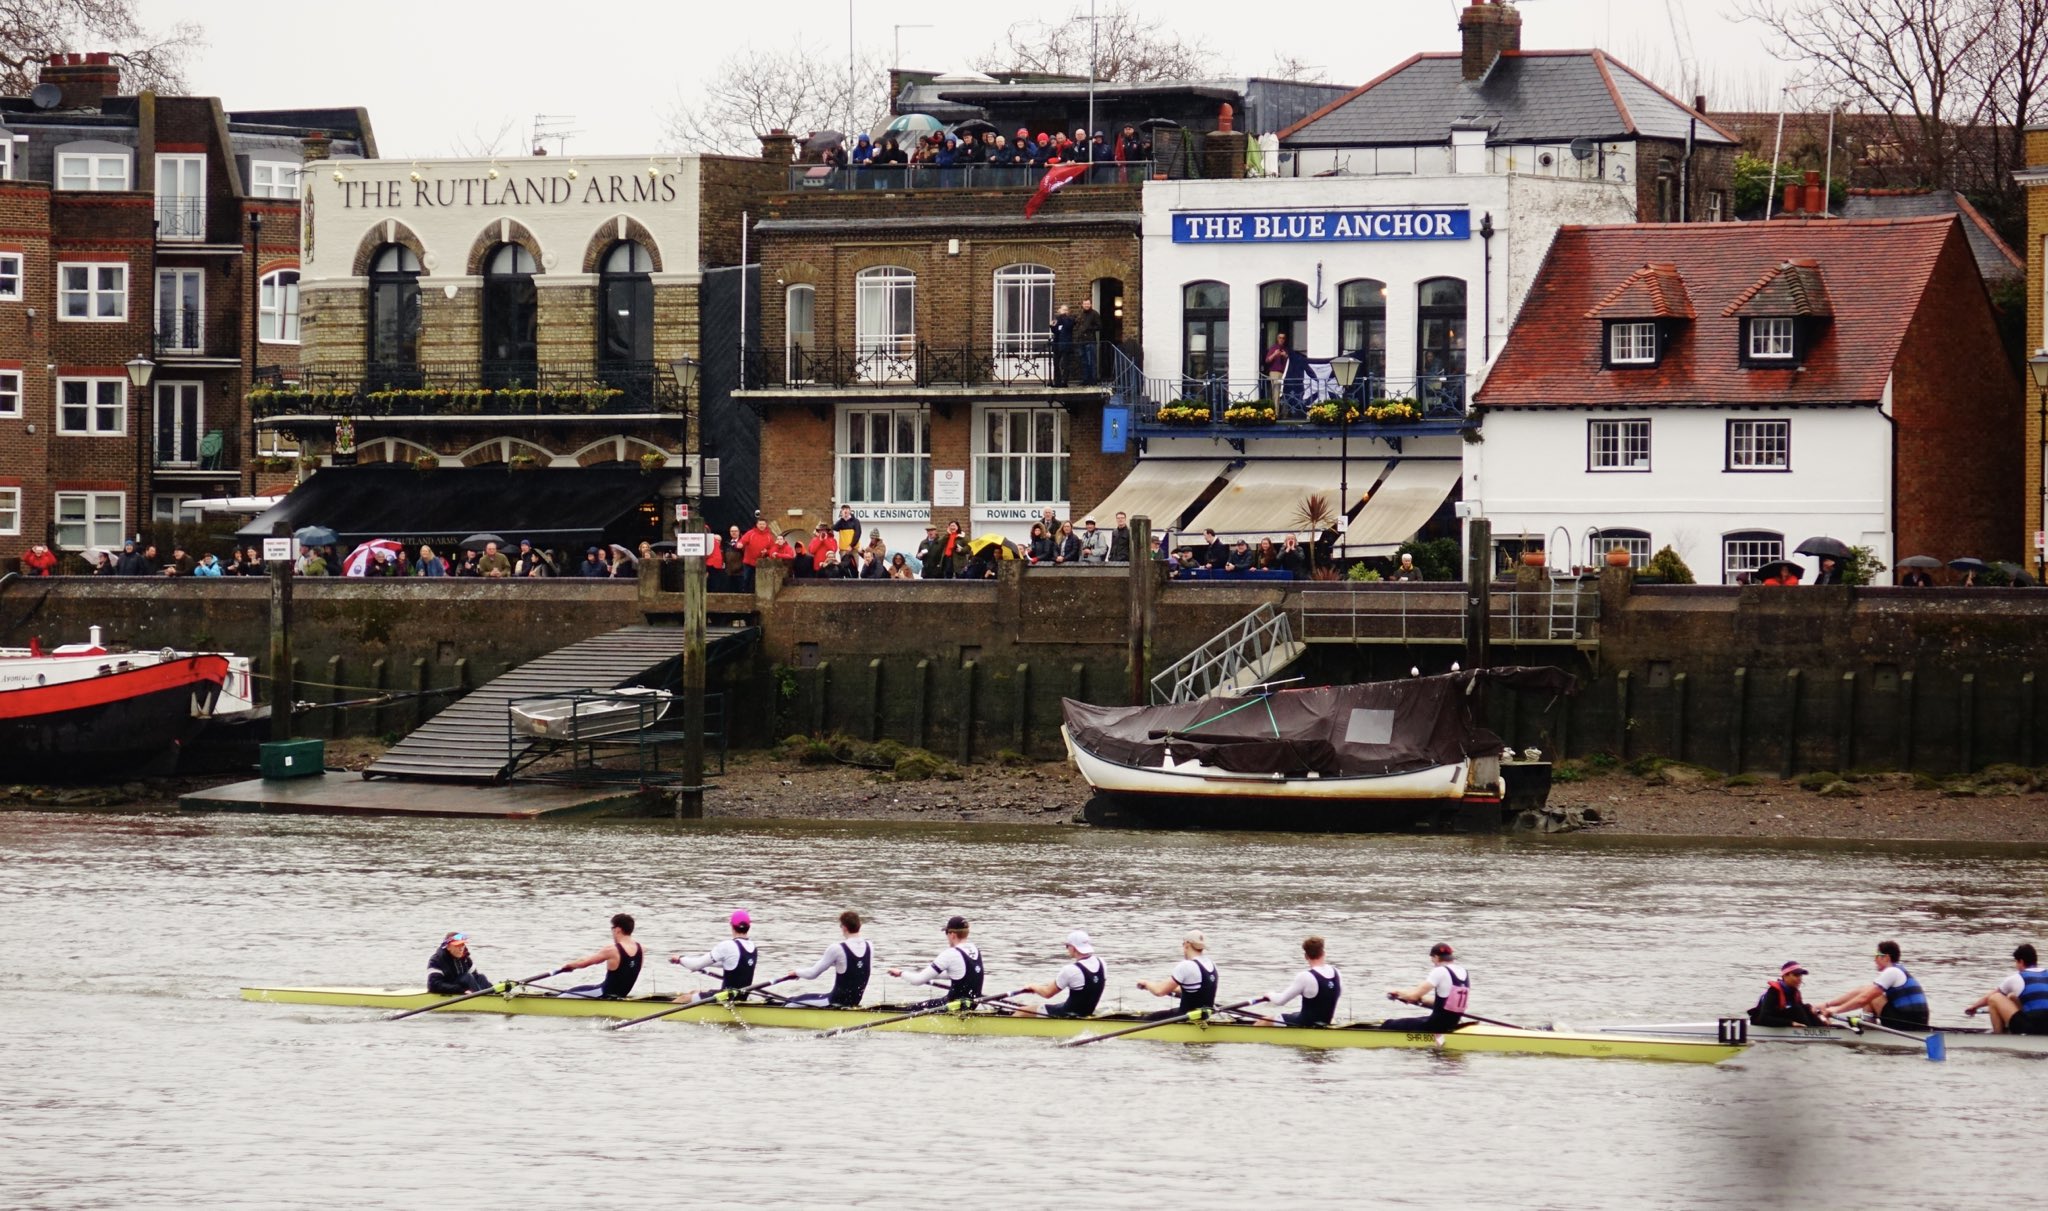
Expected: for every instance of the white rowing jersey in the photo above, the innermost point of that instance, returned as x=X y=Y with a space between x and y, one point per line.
x=1305 y=984
x=948 y=965
x=1443 y=978
x=725 y=956
x=834 y=958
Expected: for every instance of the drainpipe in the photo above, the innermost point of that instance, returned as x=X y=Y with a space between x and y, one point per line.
x=1486 y=304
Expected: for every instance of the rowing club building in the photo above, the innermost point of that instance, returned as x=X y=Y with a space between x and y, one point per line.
x=511 y=344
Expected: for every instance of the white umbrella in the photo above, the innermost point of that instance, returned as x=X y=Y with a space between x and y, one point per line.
x=233 y=504
x=358 y=561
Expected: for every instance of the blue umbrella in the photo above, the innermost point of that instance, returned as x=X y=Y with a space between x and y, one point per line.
x=317 y=536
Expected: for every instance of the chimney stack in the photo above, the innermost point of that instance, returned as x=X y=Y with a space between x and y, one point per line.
x=84 y=80
x=1816 y=194
x=1489 y=27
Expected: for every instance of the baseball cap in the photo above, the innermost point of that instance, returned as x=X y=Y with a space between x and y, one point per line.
x=1791 y=968
x=956 y=924
x=1087 y=521
x=1195 y=937
x=1442 y=950
x=1079 y=941
x=740 y=917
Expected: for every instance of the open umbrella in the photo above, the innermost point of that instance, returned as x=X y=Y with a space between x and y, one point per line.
x=1829 y=548
x=664 y=547
x=974 y=126
x=1927 y=562
x=1008 y=548
x=915 y=126
x=1970 y=563
x=1772 y=569
x=477 y=542
x=316 y=536
x=383 y=550
x=823 y=140
x=2016 y=573
x=1159 y=124
x=619 y=552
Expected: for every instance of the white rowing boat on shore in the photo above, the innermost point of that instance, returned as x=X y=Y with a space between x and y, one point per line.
x=1971 y=1038
x=591 y=715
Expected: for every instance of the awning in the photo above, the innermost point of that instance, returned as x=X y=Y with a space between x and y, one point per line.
x=1263 y=500
x=555 y=508
x=1160 y=489
x=1413 y=490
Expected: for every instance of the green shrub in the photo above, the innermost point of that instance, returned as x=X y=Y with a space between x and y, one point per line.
x=1568 y=771
x=1359 y=572
x=1743 y=780
x=1601 y=763
x=1666 y=565
x=1862 y=566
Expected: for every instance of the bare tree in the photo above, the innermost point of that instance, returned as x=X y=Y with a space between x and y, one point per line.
x=33 y=30
x=1125 y=46
x=799 y=90
x=1290 y=67
x=480 y=144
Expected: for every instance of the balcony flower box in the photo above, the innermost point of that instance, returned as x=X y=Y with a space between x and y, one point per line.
x=653 y=461
x=1250 y=414
x=1326 y=413
x=523 y=462
x=1185 y=412
x=1393 y=412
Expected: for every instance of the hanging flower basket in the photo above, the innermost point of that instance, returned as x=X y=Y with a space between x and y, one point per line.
x=523 y=462
x=653 y=461
x=426 y=462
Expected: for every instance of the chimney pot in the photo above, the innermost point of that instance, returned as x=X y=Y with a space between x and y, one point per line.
x=84 y=80
x=1226 y=117
x=1791 y=206
x=1488 y=30
x=1699 y=102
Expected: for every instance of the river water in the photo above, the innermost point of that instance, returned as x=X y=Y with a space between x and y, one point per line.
x=132 y=1076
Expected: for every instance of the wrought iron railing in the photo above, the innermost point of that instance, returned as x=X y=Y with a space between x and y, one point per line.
x=180 y=330
x=813 y=177
x=1220 y=399
x=181 y=219
x=904 y=363
x=441 y=389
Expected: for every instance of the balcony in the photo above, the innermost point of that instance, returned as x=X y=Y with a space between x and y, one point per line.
x=472 y=390
x=180 y=331
x=1027 y=364
x=1298 y=405
x=807 y=178
x=181 y=220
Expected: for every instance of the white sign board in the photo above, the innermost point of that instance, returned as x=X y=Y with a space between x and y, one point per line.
x=698 y=544
x=682 y=511
x=281 y=550
x=949 y=488
x=2041 y=540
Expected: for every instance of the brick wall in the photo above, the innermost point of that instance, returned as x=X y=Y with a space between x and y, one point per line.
x=103 y=228
x=25 y=348
x=1713 y=169
x=728 y=187
x=1955 y=399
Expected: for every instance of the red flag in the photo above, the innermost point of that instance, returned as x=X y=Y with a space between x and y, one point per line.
x=1055 y=180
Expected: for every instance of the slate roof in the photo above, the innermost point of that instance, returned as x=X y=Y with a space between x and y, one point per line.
x=1542 y=96
x=1996 y=260
x=1877 y=270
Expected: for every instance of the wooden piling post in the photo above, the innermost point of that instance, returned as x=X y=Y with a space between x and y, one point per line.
x=1738 y=704
x=1138 y=636
x=690 y=803
x=283 y=686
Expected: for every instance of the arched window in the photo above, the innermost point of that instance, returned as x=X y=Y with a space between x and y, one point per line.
x=1023 y=322
x=394 y=352
x=800 y=312
x=1635 y=542
x=625 y=321
x=1283 y=311
x=1205 y=331
x=1440 y=344
x=1362 y=331
x=278 y=307
x=511 y=320
x=1744 y=551
x=885 y=324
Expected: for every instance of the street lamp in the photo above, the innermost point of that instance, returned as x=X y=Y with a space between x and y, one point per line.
x=140 y=368
x=685 y=370
x=1345 y=370
x=2037 y=365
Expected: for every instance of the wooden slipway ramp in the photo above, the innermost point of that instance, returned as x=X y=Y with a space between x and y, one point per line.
x=468 y=742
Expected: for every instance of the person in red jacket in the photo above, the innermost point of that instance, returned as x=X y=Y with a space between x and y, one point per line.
x=755 y=545
x=39 y=560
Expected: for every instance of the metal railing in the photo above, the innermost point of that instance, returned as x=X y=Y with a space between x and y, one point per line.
x=1567 y=612
x=181 y=219
x=906 y=363
x=180 y=330
x=825 y=177
x=1203 y=400
x=472 y=388
x=1217 y=663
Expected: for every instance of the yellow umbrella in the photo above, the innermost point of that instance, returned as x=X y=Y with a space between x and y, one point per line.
x=1006 y=548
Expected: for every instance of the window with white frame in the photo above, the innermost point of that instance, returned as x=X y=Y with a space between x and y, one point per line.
x=1023 y=310
x=10 y=394
x=1746 y=551
x=1617 y=445
x=1770 y=338
x=885 y=456
x=801 y=313
x=1635 y=542
x=92 y=407
x=1633 y=343
x=278 y=307
x=273 y=179
x=10 y=277
x=885 y=311
x=10 y=510
x=168 y=508
x=6 y=156
x=92 y=292
x=1759 y=445
x=1023 y=456
x=92 y=172
x=90 y=519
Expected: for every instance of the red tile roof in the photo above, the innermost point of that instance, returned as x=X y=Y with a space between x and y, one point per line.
x=1878 y=270
x=1652 y=292
x=1792 y=288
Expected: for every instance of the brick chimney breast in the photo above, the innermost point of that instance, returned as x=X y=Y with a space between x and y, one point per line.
x=84 y=80
x=1489 y=27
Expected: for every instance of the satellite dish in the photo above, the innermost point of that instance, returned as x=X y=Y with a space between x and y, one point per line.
x=45 y=96
x=1582 y=149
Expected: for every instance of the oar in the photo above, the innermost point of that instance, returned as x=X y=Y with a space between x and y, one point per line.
x=709 y=998
x=1192 y=1015
x=500 y=987
x=1475 y=1017
x=1935 y=1046
x=947 y=1007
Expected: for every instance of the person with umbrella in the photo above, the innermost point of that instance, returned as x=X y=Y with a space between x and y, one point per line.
x=1914 y=569
x=1833 y=553
x=1973 y=570
x=1781 y=572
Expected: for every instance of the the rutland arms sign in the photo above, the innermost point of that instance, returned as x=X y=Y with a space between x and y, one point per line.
x=553 y=189
x=1307 y=226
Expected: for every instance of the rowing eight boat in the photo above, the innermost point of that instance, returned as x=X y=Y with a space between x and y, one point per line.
x=752 y=1013
x=1973 y=1038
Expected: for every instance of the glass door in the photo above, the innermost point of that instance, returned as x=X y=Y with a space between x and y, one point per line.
x=181 y=198
x=180 y=413
x=180 y=307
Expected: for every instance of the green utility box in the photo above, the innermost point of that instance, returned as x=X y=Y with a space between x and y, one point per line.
x=293 y=758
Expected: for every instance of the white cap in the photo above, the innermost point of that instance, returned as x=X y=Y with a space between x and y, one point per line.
x=1079 y=941
x=1194 y=938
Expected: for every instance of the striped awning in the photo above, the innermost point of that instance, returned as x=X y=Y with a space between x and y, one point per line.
x=1412 y=492
x=1162 y=489
x=1264 y=498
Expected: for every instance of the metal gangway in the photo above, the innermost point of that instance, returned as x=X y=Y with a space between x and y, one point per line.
x=1565 y=612
x=1251 y=651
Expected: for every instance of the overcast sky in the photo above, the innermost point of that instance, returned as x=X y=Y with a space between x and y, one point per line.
x=434 y=71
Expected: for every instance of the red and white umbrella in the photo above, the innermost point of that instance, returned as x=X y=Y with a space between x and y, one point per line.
x=358 y=561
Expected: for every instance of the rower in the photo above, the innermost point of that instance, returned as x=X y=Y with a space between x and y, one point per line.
x=621 y=958
x=1447 y=989
x=1895 y=996
x=1193 y=979
x=849 y=959
x=1318 y=986
x=958 y=967
x=735 y=957
x=1083 y=978
x=451 y=971
x=1781 y=1004
x=2019 y=1005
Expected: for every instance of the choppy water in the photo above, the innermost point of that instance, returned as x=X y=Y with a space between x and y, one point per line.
x=131 y=1076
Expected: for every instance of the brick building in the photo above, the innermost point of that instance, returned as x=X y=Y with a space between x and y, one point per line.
x=1732 y=390
x=903 y=365
x=511 y=313
x=2035 y=425
x=148 y=267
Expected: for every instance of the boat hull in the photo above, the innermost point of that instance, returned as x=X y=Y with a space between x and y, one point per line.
x=1968 y=1038
x=129 y=722
x=1475 y=1038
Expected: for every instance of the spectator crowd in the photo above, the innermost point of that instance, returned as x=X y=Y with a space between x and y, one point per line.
x=980 y=143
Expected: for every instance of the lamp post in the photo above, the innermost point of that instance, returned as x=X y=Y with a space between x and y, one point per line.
x=256 y=332
x=140 y=370
x=1345 y=370
x=690 y=802
x=2037 y=365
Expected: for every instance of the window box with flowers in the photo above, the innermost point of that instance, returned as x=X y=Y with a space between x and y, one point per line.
x=652 y=461
x=1326 y=413
x=1185 y=412
x=523 y=462
x=426 y=462
x=1393 y=412
x=1250 y=414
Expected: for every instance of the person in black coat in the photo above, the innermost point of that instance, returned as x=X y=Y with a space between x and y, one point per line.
x=1062 y=346
x=1120 y=540
x=1213 y=553
x=451 y=972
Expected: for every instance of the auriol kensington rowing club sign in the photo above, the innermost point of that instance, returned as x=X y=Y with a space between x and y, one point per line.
x=1309 y=226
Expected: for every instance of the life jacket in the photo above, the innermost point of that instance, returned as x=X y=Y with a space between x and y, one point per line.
x=619 y=981
x=1321 y=1009
x=1203 y=994
x=2034 y=990
x=850 y=985
x=968 y=985
x=741 y=974
x=1908 y=999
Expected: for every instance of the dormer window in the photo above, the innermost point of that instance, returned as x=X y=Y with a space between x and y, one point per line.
x=1632 y=343
x=1771 y=339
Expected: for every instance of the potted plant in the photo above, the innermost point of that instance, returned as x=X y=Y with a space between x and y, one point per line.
x=652 y=461
x=523 y=462
x=1534 y=559
x=1250 y=414
x=426 y=462
x=1393 y=412
x=1326 y=413
x=1618 y=557
x=1184 y=412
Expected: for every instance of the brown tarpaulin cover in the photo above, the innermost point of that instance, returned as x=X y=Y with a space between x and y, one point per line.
x=1339 y=731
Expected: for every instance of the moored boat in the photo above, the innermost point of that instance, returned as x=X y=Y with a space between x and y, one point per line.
x=1472 y=1038
x=592 y=715
x=80 y=711
x=1970 y=1038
